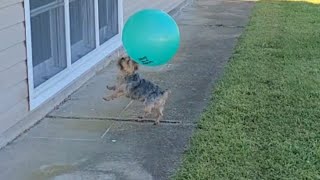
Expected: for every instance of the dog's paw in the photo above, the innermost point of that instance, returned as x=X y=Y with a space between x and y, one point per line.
x=156 y=123
x=107 y=98
x=111 y=88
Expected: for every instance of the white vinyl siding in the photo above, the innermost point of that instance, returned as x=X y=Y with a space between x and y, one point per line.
x=13 y=69
x=5 y=3
x=11 y=36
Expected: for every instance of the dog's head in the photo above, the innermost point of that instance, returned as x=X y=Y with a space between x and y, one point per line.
x=127 y=65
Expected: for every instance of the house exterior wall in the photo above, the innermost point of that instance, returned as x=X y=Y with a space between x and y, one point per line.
x=13 y=69
x=14 y=104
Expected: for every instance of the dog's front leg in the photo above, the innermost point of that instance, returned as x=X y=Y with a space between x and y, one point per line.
x=111 y=88
x=117 y=93
x=114 y=96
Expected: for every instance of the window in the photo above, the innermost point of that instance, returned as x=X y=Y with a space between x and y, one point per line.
x=82 y=28
x=61 y=34
x=108 y=17
x=48 y=39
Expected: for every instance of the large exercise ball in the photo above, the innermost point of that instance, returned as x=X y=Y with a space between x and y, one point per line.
x=151 y=37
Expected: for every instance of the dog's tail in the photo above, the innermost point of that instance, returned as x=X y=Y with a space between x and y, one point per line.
x=166 y=94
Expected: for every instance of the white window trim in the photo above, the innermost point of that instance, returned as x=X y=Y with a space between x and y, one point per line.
x=54 y=85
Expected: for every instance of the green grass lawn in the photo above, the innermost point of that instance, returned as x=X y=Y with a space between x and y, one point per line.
x=264 y=119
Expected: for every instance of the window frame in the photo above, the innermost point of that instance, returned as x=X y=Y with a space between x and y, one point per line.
x=57 y=83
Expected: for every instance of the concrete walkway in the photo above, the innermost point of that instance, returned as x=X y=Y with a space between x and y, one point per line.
x=90 y=139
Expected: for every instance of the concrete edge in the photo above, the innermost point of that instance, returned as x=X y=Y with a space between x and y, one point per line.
x=35 y=117
x=177 y=8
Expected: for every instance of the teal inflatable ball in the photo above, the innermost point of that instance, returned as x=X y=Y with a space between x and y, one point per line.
x=151 y=37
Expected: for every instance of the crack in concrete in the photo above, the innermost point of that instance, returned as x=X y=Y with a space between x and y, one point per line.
x=213 y=25
x=61 y=138
x=120 y=119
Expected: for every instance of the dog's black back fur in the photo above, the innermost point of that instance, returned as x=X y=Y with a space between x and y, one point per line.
x=142 y=89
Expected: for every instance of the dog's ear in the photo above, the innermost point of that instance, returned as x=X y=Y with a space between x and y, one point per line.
x=136 y=66
x=120 y=61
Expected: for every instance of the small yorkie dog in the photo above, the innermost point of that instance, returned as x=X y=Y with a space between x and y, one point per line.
x=131 y=85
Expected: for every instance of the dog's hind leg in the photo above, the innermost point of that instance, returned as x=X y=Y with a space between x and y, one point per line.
x=147 y=111
x=159 y=115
